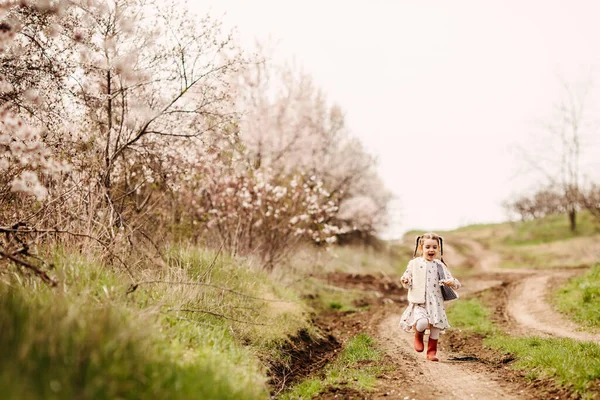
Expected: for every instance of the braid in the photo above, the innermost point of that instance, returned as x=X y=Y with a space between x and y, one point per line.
x=416 y=245
x=442 y=251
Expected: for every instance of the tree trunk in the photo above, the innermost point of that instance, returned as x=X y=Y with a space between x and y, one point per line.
x=573 y=218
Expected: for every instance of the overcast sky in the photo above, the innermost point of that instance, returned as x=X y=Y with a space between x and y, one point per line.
x=440 y=91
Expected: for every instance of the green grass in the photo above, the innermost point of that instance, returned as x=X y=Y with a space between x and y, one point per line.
x=471 y=316
x=571 y=363
x=355 y=367
x=88 y=339
x=579 y=299
x=272 y=311
x=323 y=297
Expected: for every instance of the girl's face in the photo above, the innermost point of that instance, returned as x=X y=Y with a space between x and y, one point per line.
x=430 y=249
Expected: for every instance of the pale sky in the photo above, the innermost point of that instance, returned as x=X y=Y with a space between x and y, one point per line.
x=435 y=88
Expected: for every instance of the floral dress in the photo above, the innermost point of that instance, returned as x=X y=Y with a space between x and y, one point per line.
x=433 y=308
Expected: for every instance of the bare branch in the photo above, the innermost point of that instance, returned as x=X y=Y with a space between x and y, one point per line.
x=41 y=274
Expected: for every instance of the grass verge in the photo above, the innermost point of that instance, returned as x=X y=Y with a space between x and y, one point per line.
x=579 y=299
x=569 y=362
x=354 y=368
x=471 y=316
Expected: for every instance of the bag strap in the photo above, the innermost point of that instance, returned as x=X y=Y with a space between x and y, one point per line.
x=441 y=272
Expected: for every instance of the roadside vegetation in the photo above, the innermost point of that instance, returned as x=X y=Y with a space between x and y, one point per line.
x=201 y=314
x=157 y=181
x=180 y=334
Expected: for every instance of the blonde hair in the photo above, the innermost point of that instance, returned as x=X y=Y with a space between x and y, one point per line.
x=430 y=235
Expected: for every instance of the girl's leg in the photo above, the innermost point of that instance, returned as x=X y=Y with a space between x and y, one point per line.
x=434 y=335
x=422 y=324
x=420 y=327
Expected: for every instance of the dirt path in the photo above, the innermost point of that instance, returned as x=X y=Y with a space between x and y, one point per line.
x=455 y=376
x=447 y=379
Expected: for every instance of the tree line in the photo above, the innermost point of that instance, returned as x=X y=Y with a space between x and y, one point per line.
x=129 y=124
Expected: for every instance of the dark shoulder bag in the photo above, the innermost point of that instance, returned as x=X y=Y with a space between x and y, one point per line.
x=447 y=292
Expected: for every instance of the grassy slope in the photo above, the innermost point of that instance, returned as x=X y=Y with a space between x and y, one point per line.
x=89 y=339
x=579 y=299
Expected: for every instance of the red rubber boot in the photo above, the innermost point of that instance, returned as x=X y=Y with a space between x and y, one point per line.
x=419 y=345
x=432 y=349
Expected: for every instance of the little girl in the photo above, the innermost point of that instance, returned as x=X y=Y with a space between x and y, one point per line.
x=426 y=304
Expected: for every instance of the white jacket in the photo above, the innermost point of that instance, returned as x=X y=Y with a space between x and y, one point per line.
x=416 y=272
